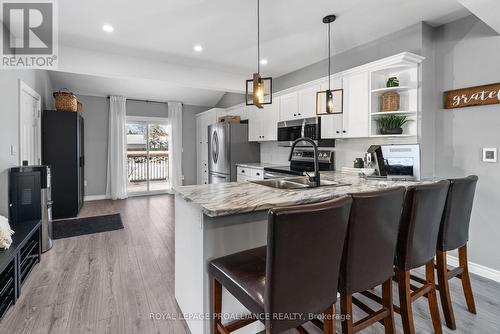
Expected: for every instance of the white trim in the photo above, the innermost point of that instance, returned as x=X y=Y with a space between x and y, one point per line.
x=95 y=198
x=24 y=88
x=477 y=269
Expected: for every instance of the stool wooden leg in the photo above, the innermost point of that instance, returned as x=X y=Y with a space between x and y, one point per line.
x=403 y=277
x=469 y=297
x=346 y=310
x=444 y=289
x=217 y=306
x=329 y=322
x=431 y=297
x=387 y=303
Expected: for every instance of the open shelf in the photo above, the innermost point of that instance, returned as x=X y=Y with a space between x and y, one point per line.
x=388 y=136
x=398 y=112
x=408 y=90
x=388 y=89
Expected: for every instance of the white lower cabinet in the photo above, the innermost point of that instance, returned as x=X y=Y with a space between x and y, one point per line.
x=249 y=174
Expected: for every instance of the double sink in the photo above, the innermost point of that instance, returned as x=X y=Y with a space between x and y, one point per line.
x=297 y=183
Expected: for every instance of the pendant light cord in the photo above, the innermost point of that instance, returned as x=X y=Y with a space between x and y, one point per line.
x=329 y=55
x=258 y=36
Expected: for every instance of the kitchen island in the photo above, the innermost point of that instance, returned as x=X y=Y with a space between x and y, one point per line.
x=220 y=219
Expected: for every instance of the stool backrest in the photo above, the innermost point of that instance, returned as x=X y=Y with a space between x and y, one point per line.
x=371 y=239
x=304 y=251
x=454 y=231
x=420 y=222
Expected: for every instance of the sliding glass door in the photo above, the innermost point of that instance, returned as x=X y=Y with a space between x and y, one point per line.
x=148 y=159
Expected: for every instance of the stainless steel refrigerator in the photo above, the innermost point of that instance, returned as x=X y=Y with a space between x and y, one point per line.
x=228 y=145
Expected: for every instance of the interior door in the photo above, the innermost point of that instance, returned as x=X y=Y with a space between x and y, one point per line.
x=29 y=125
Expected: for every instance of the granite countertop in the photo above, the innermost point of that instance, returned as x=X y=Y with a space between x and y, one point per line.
x=225 y=199
x=257 y=165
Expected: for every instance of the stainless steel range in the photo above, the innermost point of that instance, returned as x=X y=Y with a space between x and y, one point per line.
x=302 y=161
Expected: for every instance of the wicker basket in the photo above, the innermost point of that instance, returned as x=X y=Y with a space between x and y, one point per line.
x=79 y=106
x=230 y=118
x=390 y=101
x=66 y=101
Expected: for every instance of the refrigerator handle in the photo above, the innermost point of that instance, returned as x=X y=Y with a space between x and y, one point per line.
x=215 y=147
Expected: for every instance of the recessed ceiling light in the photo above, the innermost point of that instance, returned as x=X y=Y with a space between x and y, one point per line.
x=263 y=61
x=108 y=28
x=198 y=48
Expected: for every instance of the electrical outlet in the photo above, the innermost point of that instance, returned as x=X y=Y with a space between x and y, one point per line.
x=490 y=155
x=85 y=183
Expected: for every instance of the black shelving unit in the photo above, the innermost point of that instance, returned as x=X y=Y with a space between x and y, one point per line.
x=17 y=262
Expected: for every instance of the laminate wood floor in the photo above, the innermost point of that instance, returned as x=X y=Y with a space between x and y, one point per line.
x=111 y=282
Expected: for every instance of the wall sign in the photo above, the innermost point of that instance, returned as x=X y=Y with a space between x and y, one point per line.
x=472 y=96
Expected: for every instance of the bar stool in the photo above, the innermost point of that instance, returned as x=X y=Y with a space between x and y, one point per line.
x=296 y=274
x=453 y=234
x=369 y=256
x=418 y=233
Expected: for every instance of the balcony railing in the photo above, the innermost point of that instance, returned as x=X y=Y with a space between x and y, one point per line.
x=138 y=170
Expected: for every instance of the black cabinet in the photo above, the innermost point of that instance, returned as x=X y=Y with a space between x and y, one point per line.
x=18 y=261
x=63 y=151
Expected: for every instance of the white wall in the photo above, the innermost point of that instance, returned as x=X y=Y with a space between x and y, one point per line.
x=9 y=119
x=467 y=54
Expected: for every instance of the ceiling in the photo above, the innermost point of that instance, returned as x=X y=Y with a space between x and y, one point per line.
x=133 y=88
x=292 y=33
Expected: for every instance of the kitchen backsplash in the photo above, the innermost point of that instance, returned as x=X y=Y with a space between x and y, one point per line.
x=346 y=150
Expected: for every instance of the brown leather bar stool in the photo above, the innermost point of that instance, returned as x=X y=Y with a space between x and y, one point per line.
x=417 y=239
x=453 y=234
x=369 y=256
x=295 y=274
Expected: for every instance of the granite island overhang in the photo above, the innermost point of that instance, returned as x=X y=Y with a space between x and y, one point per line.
x=220 y=219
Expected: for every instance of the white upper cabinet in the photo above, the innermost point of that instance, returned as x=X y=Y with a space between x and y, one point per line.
x=263 y=122
x=307 y=101
x=331 y=125
x=356 y=105
x=289 y=107
x=354 y=120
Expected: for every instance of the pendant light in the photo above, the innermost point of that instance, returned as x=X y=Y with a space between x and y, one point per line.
x=258 y=89
x=329 y=94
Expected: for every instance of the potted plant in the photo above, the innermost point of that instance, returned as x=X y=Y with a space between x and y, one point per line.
x=391 y=125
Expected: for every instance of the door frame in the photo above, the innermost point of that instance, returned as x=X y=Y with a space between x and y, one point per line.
x=148 y=120
x=25 y=88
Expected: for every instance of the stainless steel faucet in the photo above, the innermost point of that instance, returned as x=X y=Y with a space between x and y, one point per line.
x=316 y=178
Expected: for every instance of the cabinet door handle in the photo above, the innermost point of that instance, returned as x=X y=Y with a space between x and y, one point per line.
x=338 y=131
x=243 y=171
x=294 y=114
x=300 y=114
x=258 y=174
x=344 y=131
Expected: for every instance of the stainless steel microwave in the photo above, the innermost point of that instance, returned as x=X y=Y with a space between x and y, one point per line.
x=289 y=131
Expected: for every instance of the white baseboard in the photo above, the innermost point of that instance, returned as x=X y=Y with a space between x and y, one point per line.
x=94 y=198
x=477 y=269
